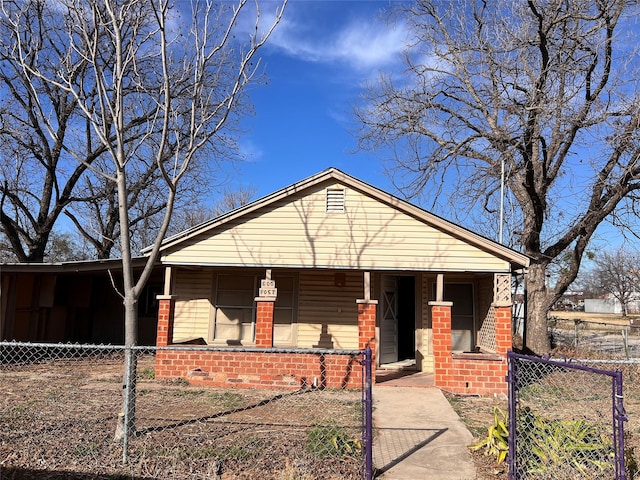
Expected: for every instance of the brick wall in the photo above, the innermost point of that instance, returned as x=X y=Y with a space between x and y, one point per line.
x=471 y=373
x=225 y=368
x=259 y=369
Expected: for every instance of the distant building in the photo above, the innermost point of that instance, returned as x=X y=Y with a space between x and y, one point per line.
x=610 y=304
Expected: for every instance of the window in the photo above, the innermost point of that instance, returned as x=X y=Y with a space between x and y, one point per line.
x=148 y=302
x=463 y=327
x=234 y=311
x=462 y=317
x=283 y=315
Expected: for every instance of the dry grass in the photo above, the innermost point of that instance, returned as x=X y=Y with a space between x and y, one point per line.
x=607 y=318
x=477 y=414
x=57 y=420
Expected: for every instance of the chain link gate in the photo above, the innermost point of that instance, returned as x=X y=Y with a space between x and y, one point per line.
x=565 y=420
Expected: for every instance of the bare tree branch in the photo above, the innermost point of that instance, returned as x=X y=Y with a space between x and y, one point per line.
x=545 y=88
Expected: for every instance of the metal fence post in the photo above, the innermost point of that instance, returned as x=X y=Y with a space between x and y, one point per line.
x=619 y=417
x=511 y=391
x=368 y=417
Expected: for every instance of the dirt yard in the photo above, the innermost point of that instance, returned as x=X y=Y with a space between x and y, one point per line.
x=57 y=420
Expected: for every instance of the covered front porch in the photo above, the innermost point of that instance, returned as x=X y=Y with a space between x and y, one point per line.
x=419 y=328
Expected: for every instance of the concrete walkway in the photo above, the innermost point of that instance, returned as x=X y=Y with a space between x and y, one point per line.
x=417 y=435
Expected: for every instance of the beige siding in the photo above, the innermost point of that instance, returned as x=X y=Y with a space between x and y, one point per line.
x=193 y=305
x=328 y=314
x=297 y=232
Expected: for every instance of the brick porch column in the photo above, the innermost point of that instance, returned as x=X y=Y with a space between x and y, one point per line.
x=264 y=322
x=166 y=308
x=367 y=328
x=503 y=318
x=441 y=332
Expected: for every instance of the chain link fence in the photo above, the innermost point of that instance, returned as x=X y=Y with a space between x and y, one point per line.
x=609 y=340
x=565 y=421
x=630 y=372
x=60 y=406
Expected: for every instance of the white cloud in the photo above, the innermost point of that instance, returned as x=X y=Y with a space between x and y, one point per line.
x=364 y=43
x=369 y=45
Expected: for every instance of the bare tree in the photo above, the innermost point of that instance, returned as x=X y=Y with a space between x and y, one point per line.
x=197 y=213
x=49 y=152
x=38 y=125
x=181 y=69
x=616 y=273
x=96 y=214
x=541 y=88
x=65 y=247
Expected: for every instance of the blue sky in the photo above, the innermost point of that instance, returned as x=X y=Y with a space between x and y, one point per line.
x=316 y=63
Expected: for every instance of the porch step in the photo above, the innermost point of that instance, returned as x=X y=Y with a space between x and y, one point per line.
x=409 y=364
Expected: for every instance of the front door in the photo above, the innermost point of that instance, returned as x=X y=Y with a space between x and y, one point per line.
x=397 y=318
x=389 y=320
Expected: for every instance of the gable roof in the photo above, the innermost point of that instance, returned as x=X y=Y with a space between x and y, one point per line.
x=247 y=212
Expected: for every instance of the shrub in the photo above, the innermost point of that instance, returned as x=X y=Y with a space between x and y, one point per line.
x=576 y=444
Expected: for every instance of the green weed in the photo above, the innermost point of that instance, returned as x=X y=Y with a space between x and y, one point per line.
x=496 y=443
x=148 y=373
x=332 y=440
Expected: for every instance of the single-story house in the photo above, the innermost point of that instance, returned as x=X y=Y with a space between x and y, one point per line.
x=73 y=302
x=334 y=263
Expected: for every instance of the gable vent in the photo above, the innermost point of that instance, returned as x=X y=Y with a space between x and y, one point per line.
x=335 y=200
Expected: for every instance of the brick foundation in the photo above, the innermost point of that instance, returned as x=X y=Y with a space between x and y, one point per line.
x=259 y=370
x=470 y=373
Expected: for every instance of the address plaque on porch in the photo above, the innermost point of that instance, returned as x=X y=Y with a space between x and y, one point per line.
x=267 y=288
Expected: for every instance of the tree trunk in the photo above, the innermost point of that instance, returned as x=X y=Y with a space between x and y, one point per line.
x=539 y=300
x=126 y=420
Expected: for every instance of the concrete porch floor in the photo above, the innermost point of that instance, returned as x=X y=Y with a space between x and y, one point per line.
x=402 y=374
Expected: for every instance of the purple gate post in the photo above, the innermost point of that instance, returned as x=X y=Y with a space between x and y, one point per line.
x=511 y=383
x=368 y=415
x=619 y=417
